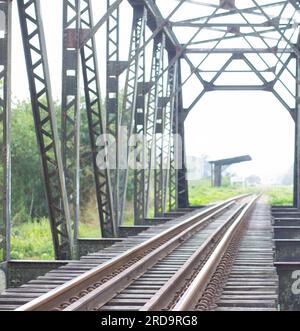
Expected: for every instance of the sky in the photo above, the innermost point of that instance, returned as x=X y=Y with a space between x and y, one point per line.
x=222 y=124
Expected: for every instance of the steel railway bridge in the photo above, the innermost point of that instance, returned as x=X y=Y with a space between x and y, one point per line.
x=175 y=47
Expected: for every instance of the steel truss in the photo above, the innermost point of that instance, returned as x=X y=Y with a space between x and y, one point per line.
x=159 y=208
x=168 y=143
x=140 y=131
x=114 y=68
x=70 y=106
x=130 y=105
x=45 y=124
x=274 y=26
x=96 y=127
x=153 y=116
x=260 y=40
x=164 y=171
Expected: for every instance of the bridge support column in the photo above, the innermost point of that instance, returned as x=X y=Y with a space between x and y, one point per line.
x=217 y=175
x=159 y=127
x=114 y=68
x=95 y=117
x=139 y=131
x=70 y=107
x=46 y=128
x=153 y=114
x=130 y=101
x=182 y=184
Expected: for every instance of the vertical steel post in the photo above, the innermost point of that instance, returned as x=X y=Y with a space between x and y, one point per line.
x=45 y=126
x=140 y=131
x=182 y=184
x=70 y=106
x=95 y=122
x=163 y=139
x=159 y=134
x=175 y=147
x=130 y=102
x=5 y=123
x=168 y=129
x=114 y=67
x=152 y=111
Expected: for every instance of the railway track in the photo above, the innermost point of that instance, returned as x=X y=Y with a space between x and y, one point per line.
x=240 y=273
x=133 y=279
x=216 y=258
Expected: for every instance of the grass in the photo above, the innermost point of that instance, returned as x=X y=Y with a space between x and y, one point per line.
x=280 y=195
x=32 y=240
x=202 y=193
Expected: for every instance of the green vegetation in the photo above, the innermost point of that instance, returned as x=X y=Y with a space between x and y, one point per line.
x=32 y=240
x=202 y=193
x=280 y=195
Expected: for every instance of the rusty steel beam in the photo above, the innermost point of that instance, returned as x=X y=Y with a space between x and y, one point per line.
x=70 y=106
x=45 y=125
x=95 y=115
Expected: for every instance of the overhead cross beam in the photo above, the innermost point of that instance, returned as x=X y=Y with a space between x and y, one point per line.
x=279 y=25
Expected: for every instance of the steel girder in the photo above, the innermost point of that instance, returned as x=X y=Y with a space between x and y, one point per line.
x=5 y=124
x=152 y=112
x=139 y=143
x=70 y=106
x=95 y=116
x=168 y=147
x=175 y=147
x=114 y=68
x=182 y=185
x=45 y=125
x=164 y=167
x=159 y=129
x=130 y=102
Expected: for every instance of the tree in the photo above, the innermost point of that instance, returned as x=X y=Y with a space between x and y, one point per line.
x=28 y=198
